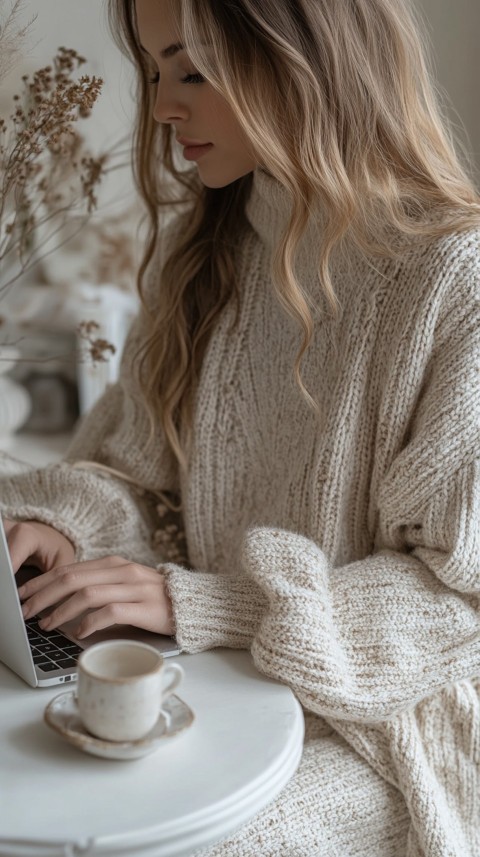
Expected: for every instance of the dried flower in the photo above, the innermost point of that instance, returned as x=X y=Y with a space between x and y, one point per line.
x=96 y=347
x=39 y=148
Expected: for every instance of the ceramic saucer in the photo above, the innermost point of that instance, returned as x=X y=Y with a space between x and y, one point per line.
x=61 y=714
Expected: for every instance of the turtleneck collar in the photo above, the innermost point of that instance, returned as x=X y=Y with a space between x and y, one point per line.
x=268 y=211
x=268 y=208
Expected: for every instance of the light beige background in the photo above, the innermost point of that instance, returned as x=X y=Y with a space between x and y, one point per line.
x=453 y=27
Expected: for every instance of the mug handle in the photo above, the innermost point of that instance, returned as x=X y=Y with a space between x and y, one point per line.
x=176 y=673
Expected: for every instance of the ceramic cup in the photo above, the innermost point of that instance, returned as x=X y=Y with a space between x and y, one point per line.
x=121 y=687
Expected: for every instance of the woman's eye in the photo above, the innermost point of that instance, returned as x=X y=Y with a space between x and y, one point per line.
x=189 y=78
x=193 y=78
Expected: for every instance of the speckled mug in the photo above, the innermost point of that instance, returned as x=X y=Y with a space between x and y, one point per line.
x=121 y=687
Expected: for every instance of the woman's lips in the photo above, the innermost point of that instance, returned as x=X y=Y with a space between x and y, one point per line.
x=193 y=152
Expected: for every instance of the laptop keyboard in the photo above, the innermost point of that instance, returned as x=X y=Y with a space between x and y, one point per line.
x=51 y=650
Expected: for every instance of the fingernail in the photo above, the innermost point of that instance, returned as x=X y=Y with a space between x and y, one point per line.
x=44 y=623
x=21 y=591
x=25 y=611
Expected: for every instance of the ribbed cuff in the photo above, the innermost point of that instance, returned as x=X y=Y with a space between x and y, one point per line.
x=212 y=610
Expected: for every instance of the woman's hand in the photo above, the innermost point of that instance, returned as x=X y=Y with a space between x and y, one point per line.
x=37 y=544
x=109 y=591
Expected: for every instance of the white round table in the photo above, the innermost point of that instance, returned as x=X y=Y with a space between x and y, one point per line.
x=243 y=747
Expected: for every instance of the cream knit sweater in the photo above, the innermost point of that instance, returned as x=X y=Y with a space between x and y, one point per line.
x=343 y=552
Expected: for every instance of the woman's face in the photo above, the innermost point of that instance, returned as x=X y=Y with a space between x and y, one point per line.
x=204 y=123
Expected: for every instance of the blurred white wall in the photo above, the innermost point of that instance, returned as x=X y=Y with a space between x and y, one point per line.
x=454 y=31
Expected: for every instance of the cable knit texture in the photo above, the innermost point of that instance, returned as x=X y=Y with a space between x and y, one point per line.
x=342 y=550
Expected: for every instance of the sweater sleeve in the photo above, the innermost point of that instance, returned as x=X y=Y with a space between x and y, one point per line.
x=369 y=639
x=362 y=641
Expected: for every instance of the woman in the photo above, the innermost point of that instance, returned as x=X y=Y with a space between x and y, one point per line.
x=301 y=381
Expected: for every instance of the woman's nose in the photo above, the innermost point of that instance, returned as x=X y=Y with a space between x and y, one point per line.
x=166 y=108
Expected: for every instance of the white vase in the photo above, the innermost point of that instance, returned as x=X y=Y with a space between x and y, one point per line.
x=113 y=310
x=14 y=400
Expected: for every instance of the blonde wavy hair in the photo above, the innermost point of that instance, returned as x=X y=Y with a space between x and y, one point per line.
x=352 y=124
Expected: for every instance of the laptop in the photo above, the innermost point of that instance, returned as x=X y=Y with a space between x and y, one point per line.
x=45 y=658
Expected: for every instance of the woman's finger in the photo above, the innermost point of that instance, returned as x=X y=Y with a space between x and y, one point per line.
x=23 y=543
x=52 y=588
x=70 y=575
x=38 y=544
x=92 y=596
x=151 y=615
